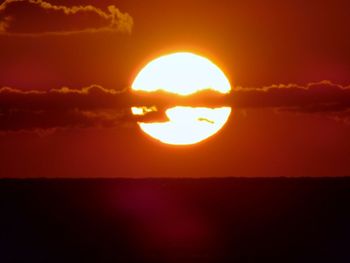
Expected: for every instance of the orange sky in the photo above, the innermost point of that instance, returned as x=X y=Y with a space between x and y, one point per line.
x=297 y=130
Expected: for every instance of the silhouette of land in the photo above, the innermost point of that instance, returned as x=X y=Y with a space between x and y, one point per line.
x=175 y=220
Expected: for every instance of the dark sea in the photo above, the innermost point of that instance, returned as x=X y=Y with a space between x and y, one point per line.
x=175 y=220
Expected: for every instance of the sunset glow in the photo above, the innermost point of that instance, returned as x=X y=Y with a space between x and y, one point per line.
x=180 y=131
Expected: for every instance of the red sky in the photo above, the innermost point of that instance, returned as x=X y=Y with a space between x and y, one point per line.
x=290 y=128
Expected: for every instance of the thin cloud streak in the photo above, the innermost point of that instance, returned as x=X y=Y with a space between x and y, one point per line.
x=13 y=23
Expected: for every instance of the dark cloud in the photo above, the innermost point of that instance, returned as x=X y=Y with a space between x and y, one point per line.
x=19 y=120
x=93 y=97
x=91 y=106
x=31 y=17
x=315 y=97
x=95 y=106
x=324 y=98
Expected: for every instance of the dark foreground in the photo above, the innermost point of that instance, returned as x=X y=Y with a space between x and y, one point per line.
x=175 y=220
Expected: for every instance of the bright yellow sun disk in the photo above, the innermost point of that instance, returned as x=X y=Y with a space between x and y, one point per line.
x=187 y=125
x=181 y=73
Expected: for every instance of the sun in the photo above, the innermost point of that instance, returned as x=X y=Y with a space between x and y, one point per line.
x=183 y=74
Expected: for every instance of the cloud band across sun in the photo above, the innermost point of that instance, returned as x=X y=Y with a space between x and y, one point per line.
x=95 y=106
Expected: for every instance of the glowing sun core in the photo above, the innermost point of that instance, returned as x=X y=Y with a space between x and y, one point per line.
x=183 y=74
